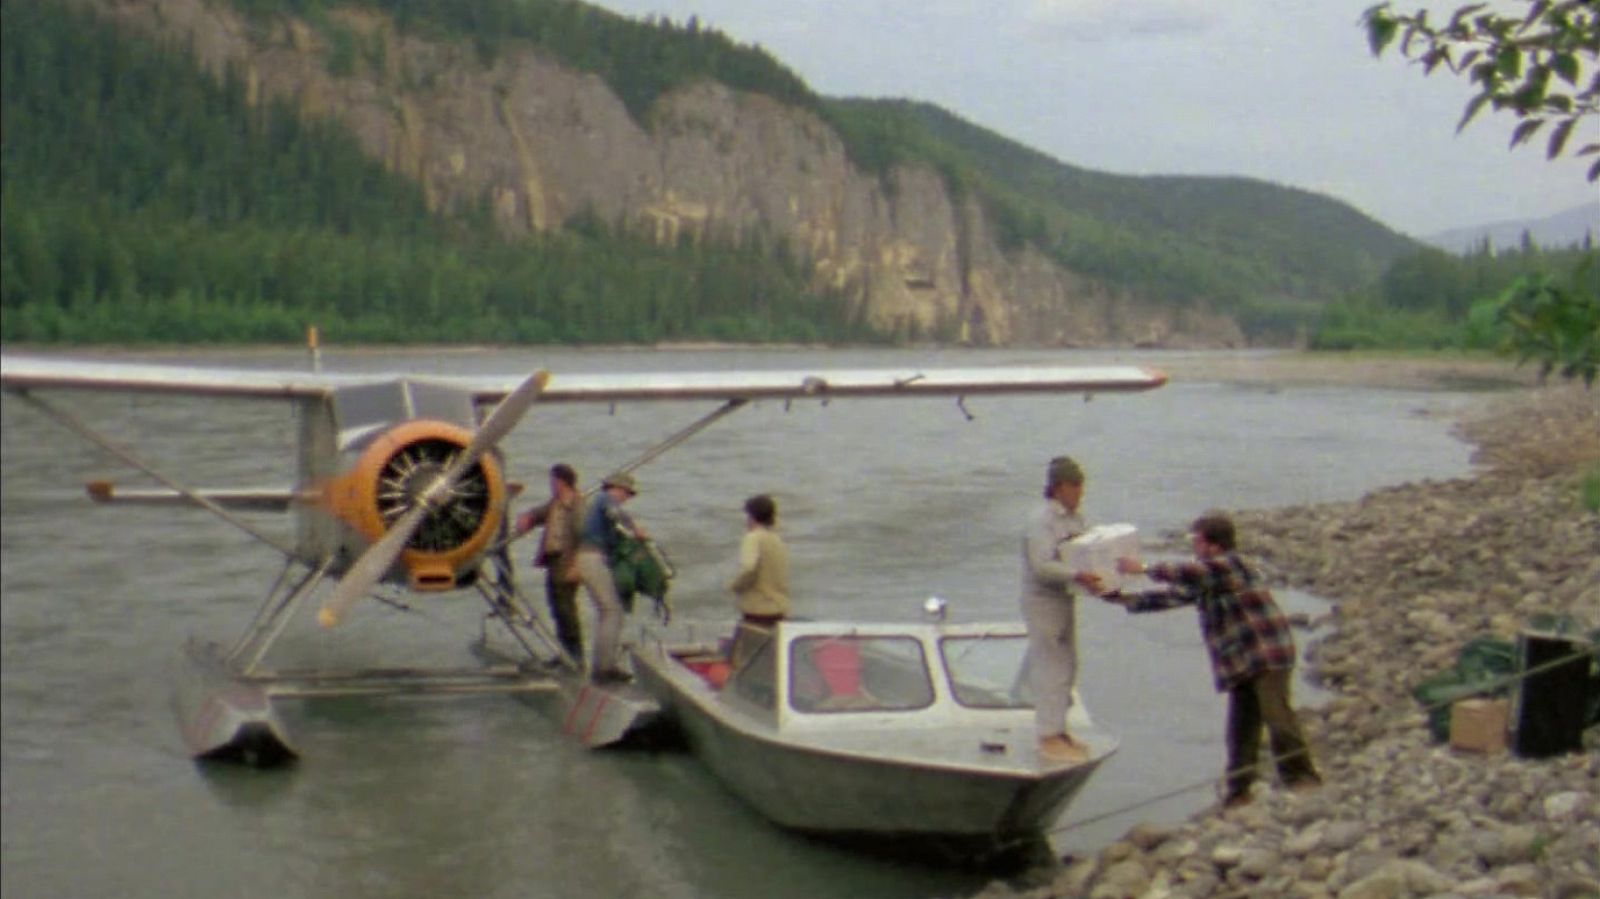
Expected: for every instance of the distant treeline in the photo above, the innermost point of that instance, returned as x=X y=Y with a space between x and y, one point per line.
x=1437 y=300
x=142 y=200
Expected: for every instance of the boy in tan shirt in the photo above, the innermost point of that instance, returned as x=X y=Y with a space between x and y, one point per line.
x=762 y=584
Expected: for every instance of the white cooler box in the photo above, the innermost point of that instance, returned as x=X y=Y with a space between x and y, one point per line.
x=1098 y=550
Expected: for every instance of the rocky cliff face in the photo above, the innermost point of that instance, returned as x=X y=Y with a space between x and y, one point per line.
x=544 y=143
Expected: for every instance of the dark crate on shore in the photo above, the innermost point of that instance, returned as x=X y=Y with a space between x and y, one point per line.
x=1551 y=705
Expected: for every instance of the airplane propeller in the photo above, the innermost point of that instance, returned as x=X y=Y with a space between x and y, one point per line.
x=380 y=556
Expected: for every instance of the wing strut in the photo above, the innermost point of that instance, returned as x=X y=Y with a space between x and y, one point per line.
x=75 y=425
x=271 y=619
x=694 y=428
x=653 y=453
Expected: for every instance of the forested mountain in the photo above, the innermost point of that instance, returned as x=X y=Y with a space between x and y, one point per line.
x=143 y=200
x=1303 y=236
x=1250 y=245
x=433 y=170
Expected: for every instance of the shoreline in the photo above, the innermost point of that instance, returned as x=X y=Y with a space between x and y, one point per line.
x=1414 y=571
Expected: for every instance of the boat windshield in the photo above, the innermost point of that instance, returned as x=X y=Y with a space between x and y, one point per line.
x=988 y=672
x=858 y=674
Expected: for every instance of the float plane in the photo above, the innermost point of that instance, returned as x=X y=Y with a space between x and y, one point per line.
x=399 y=483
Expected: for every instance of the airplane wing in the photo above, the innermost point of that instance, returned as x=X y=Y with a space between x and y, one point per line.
x=839 y=383
x=25 y=372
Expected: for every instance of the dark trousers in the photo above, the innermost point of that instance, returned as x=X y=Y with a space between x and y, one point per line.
x=1264 y=699
x=749 y=636
x=563 y=600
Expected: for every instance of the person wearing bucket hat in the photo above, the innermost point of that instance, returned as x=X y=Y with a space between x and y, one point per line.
x=604 y=523
x=1048 y=609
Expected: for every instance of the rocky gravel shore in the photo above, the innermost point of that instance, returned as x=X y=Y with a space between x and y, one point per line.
x=1415 y=572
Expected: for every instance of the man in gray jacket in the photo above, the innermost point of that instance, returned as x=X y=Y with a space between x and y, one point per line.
x=1048 y=609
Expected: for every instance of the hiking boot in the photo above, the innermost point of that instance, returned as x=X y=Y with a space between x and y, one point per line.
x=1304 y=784
x=1236 y=800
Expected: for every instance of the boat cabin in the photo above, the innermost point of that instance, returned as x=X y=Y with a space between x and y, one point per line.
x=815 y=675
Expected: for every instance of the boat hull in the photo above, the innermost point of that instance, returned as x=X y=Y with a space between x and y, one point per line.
x=813 y=790
x=970 y=801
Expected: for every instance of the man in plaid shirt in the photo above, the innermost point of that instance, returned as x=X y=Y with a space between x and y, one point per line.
x=1252 y=651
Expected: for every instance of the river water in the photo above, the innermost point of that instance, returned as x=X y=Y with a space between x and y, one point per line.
x=883 y=503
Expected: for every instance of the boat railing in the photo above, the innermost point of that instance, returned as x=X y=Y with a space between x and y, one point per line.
x=681 y=633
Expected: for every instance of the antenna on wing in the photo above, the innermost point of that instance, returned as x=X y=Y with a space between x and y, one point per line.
x=376 y=561
x=313 y=348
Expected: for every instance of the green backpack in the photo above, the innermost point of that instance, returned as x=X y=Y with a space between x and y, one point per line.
x=641 y=568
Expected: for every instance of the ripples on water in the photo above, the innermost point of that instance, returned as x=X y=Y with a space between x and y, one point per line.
x=883 y=503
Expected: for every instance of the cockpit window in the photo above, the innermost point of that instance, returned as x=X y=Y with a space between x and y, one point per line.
x=858 y=674
x=988 y=672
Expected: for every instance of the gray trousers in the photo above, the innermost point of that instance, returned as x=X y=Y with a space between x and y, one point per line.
x=596 y=577
x=1052 y=657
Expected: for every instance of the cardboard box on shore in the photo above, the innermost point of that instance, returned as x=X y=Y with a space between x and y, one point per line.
x=1479 y=725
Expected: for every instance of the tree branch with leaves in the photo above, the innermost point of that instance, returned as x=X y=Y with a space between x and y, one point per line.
x=1543 y=66
x=1554 y=322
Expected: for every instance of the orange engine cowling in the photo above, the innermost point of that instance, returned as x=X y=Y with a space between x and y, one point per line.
x=393 y=470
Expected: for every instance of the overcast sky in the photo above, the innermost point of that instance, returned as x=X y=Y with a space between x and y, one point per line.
x=1280 y=90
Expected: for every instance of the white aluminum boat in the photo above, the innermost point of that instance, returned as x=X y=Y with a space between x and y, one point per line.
x=917 y=733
